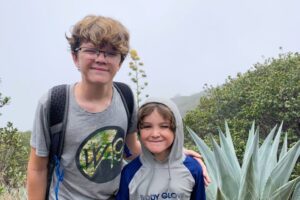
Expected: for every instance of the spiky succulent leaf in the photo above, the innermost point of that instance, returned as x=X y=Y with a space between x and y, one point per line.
x=210 y=162
x=271 y=160
x=268 y=141
x=207 y=155
x=281 y=173
x=249 y=179
x=296 y=193
x=228 y=148
x=249 y=141
x=229 y=141
x=226 y=172
x=210 y=193
x=262 y=176
x=285 y=191
x=284 y=147
x=230 y=154
x=220 y=195
x=248 y=190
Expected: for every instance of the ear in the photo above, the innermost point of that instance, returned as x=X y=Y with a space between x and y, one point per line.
x=119 y=66
x=75 y=59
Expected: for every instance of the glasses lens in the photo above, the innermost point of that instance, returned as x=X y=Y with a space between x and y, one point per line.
x=93 y=53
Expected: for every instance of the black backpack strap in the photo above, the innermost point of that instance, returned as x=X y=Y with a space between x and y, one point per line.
x=128 y=102
x=127 y=98
x=58 y=105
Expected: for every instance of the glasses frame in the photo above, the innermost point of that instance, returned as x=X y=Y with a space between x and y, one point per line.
x=95 y=53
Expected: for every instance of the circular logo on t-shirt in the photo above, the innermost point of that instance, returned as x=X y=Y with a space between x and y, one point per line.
x=99 y=157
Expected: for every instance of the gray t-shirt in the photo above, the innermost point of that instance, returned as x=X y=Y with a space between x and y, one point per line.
x=93 y=149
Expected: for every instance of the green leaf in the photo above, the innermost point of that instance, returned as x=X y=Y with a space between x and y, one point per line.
x=263 y=154
x=284 y=148
x=281 y=173
x=209 y=160
x=271 y=160
x=250 y=139
x=220 y=195
x=285 y=191
x=249 y=181
x=248 y=190
x=226 y=172
x=296 y=194
x=206 y=153
x=249 y=147
x=228 y=149
x=211 y=192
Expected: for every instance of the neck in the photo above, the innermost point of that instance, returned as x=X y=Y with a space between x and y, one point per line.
x=92 y=92
x=163 y=156
x=93 y=98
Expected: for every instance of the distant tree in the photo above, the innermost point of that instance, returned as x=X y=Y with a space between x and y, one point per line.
x=138 y=75
x=268 y=94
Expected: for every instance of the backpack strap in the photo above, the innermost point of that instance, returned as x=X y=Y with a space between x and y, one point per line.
x=128 y=102
x=127 y=98
x=58 y=105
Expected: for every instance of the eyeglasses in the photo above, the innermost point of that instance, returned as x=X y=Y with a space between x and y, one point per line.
x=93 y=53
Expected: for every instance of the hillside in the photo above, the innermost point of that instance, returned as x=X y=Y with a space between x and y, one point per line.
x=186 y=103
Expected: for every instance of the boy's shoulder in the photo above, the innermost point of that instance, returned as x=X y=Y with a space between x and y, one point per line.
x=133 y=165
x=130 y=169
x=192 y=164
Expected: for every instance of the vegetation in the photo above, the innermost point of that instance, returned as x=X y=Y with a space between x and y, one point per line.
x=138 y=76
x=14 y=149
x=269 y=93
x=262 y=175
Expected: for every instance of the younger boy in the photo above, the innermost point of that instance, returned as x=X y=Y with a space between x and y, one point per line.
x=162 y=171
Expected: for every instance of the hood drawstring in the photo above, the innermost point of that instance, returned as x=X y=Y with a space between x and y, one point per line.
x=151 y=179
x=169 y=179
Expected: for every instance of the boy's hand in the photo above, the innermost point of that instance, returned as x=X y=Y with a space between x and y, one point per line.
x=198 y=157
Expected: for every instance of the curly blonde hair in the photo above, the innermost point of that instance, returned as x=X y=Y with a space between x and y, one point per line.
x=100 y=31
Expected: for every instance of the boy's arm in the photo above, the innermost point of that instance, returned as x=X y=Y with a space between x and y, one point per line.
x=133 y=144
x=36 y=176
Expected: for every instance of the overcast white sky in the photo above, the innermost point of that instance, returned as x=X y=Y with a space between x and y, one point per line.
x=183 y=43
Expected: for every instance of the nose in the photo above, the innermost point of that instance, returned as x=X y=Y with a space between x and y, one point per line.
x=101 y=56
x=155 y=133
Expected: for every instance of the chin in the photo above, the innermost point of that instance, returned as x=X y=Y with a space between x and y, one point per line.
x=100 y=81
x=155 y=150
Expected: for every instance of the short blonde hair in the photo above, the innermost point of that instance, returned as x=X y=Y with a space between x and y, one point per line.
x=100 y=31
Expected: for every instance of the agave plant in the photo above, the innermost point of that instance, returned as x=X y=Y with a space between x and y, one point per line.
x=262 y=176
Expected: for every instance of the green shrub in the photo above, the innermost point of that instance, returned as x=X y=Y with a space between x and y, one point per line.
x=13 y=157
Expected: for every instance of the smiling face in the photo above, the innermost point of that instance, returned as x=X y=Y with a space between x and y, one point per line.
x=95 y=67
x=156 y=135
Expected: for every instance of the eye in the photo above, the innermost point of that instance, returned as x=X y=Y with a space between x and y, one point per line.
x=111 y=53
x=90 y=51
x=145 y=126
x=165 y=126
